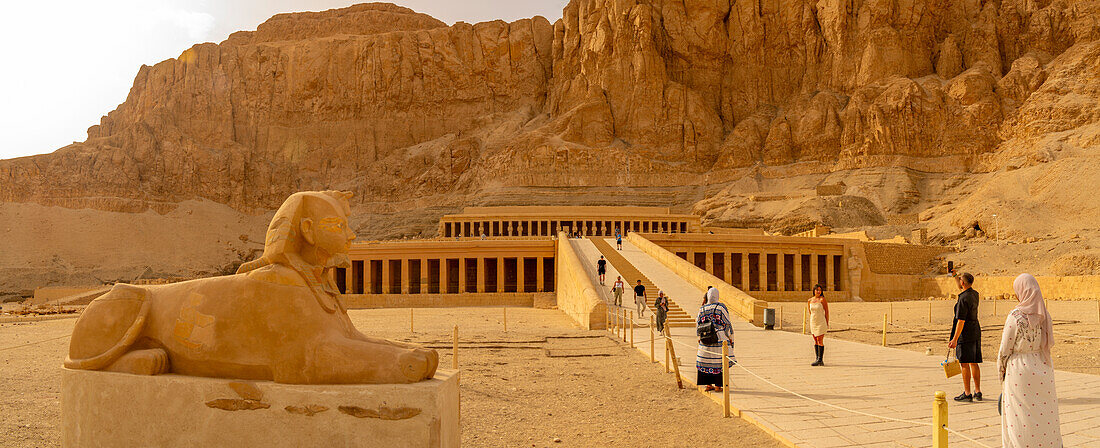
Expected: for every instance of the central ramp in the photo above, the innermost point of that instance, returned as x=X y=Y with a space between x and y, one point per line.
x=677 y=317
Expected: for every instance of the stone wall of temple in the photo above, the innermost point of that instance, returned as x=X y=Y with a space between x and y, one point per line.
x=911 y=259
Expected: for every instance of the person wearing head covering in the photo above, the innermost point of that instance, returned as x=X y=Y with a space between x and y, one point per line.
x=1029 y=404
x=661 y=308
x=708 y=360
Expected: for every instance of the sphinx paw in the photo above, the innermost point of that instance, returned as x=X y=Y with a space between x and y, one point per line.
x=419 y=364
x=152 y=361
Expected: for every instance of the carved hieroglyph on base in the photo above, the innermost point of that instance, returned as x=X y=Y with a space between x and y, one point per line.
x=855 y=273
x=277 y=319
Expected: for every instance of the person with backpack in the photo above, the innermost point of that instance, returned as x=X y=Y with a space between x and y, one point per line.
x=713 y=326
x=601 y=269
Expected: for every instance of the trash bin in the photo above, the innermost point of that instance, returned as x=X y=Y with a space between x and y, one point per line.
x=769 y=318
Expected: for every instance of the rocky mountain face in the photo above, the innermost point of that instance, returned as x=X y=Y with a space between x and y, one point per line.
x=697 y=104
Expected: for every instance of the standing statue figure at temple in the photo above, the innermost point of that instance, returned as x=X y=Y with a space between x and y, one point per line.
x=278 y=318
x=855 y=273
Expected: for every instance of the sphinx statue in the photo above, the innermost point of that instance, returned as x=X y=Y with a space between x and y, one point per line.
x=278 y=318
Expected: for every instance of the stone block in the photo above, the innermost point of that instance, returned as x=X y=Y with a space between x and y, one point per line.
x=105 y=409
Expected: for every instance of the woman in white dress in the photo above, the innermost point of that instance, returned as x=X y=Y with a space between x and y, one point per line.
x=819 y=322
x=1029 y=409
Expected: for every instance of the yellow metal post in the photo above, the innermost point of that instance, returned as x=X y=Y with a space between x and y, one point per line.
x=884 y=317
x=780 y=323
x=891 y=312
x=939 y=420
x=930 y=311
x=505 y=319
x=411 y=321
x=725 y=380
x=652 y=336
x=454 y=353
x=804 y=311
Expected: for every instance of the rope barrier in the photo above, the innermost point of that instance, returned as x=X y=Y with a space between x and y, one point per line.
x=36 y=342
x=968 y=438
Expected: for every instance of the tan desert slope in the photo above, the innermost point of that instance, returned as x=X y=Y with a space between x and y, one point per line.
x=952 y=111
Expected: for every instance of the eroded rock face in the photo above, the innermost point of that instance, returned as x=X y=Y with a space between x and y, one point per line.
x=691 y=96
x=338 y=97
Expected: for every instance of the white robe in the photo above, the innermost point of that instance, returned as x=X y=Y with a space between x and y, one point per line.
x=1029 y=416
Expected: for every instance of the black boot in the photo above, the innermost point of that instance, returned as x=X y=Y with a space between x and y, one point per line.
x=821 y=355
x=817 y=350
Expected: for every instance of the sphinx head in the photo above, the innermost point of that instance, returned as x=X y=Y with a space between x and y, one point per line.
x=312 y=227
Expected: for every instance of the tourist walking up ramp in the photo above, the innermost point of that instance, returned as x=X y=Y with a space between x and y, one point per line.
x=864 y=396
x=676 y=315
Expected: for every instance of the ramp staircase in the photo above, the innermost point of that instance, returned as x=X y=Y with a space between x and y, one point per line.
x=677 y=317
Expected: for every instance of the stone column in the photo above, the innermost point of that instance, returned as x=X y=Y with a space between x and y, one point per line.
x=763 y=271
x=519 y=274
x=479 y=232
x=368 y=277
x=727 y=267
x=480 y=274
x=461 y=275
x=509 y=228
x=815 y=277
x=798 y=271
x=709 y=262
x=540 y=274
x=444 y=276
x=745 y=271
x=425 y=277
x=500 y=274
x=829 y=280
x=404 y=276
x=385 y=276
x=843 y=283
x=781 y=272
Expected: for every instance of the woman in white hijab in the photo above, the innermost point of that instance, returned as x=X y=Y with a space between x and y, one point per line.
x=1029 y=409
x=708 y=360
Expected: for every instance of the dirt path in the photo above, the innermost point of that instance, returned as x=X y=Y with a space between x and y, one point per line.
x=1076 y=326
x=514 y=391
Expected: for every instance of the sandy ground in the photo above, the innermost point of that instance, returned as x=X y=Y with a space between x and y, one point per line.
x=1076 y=326
x=515 y=392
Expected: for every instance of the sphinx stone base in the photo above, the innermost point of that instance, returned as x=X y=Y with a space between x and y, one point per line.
x=105 y=409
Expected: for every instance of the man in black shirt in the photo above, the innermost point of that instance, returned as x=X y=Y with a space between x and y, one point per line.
x=601 y=268
x=967 y=338
x=639 y=298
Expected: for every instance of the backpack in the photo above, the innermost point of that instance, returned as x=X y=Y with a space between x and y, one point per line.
x=706 y=332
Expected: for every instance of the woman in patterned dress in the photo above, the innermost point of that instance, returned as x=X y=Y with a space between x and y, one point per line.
x=708 y=360
x=1029 y=409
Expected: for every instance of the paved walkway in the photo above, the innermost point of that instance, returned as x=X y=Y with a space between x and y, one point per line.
x=876 y=380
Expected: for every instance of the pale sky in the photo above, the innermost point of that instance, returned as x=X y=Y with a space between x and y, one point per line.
x=69 y=62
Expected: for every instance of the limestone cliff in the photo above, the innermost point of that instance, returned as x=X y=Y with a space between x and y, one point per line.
x=703 y=104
